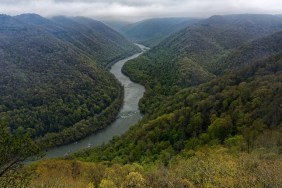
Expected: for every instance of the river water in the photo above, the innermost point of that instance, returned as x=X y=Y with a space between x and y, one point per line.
x=128 y=115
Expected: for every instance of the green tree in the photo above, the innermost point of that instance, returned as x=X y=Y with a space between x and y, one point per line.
x=105 y=183
x=221 y=128
x=14 y=151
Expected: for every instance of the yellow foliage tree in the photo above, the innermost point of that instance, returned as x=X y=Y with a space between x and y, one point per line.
x=106 y=183
x=134 y=180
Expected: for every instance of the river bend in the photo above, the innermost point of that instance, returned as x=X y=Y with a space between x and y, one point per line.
x=128 y=115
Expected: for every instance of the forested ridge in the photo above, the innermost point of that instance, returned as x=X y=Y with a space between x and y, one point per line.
x=51 y=87
x=93 y=38
x=249 y=52
x=202 y=51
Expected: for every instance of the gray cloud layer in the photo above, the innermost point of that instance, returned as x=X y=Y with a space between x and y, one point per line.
x=139 y=9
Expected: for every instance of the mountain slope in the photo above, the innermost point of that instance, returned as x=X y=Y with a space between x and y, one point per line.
x=92 y=37
x=49 y=88
x=249 y=53
x=151 y=32
x=193 y=55
x=209 y=39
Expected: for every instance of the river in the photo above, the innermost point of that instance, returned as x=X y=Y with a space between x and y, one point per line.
x=128 y=115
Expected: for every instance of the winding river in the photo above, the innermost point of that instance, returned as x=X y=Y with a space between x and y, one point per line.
x=128 y=115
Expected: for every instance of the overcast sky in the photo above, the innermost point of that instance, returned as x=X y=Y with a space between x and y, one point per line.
x=133 y=10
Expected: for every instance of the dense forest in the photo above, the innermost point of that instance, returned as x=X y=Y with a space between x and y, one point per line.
x=50 y=86
x=198 y=53
x=211 y=166
x=212 y=107
x=93 y=38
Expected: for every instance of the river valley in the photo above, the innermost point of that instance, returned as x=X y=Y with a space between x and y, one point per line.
x=129 y=114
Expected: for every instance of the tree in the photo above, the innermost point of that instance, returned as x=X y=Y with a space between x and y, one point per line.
x=105 y=183
x=134 y=180
x=14 y=150
x=221 y=128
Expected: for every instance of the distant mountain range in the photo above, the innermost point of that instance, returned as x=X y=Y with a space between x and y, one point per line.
x=151 y=32
x=116 y=25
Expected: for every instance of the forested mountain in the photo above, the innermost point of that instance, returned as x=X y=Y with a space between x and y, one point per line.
x=248 y=53
x=197 y=53
x=50 y=86
x=92 y=37
x=211 y=38
x=151 y=32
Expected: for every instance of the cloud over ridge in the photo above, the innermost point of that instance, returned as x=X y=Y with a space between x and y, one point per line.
x=138 y=9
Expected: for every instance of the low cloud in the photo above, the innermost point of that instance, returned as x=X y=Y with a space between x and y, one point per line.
x=132 y=10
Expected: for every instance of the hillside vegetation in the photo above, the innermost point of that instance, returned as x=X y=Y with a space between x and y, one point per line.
x=51 y=87
x=249 y=52
x=93 y=38
x=198 y=53
x=208 y=167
